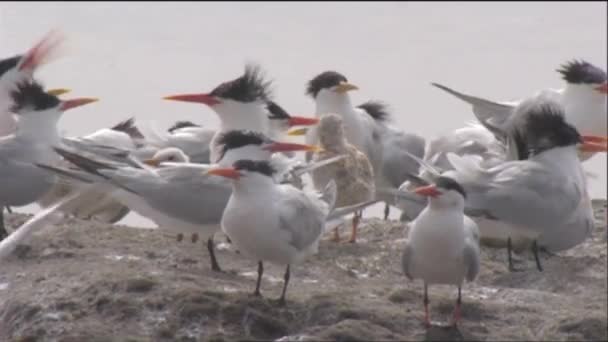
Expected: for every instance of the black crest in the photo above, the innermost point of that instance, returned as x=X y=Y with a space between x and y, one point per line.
x=260 y=166
x=324 y=80
x=8 y=64
x=450 y=184
x=238 y=138
x=540 y=127
x=376 y=109
x=31 y=95
x=582 y=72
x=276 y=112
x=181 y=124
x=128 y=126
x=251 y=86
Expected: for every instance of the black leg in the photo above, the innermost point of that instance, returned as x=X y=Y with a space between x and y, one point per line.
x=535 y=251
x=427 y=320
x=3 y=232
x=214 y=265
x=260 y=272
x=285 y=283
x=387 y=211
x=509 y=251
x=456 y=316
x=10 y=211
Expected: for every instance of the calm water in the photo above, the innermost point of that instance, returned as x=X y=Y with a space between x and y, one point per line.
x=132 y=54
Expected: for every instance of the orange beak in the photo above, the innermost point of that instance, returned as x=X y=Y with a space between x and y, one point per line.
x=228 y=172
x=207 y=99
x=429 y=191
x=289 y=147
x=593 y=144
x=302 y=121
x=603 y=88
x=69 y=104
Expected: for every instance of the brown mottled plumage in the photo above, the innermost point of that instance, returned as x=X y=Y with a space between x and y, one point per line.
x=354 y=175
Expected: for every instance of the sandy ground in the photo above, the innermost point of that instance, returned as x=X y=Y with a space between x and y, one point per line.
x=82 y=281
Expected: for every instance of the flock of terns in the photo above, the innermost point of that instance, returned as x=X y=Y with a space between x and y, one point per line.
x=514 y=176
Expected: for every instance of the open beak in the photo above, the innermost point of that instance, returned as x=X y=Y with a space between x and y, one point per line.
x=593 y=144
x=151 y=162
x=290 y=147
x=603 y=88
x=297 y=131
x=58 y=91
x=228 y=172
x=195 y=98
x=429 y=191
x=41 y=52
x=73 y=103
x=302 y=121
x=343 y=87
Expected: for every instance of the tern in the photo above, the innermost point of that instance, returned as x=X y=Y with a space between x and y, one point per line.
x=583 y=99
x=39 y=112
x=542 y=198
x=368 y=128
x=272 y=222
x=442 y=243
x=242 y=103
x=176 y=195
x=354 y=175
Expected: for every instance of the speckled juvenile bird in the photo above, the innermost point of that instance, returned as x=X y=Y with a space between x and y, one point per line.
x=354 y=175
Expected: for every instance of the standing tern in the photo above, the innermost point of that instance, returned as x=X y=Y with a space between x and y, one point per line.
x=367 y=127
x=442 y=243
x=272 y=222
x=544 y=195
x=354 y=175
x=242 y=103
x=177 y=196
x=583 y=99
x=21 y=182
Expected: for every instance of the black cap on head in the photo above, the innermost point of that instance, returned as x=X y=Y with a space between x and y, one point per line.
x=276 y=112
x=181 y=124
x=324 y=80
x=31 y=95
x=260 y=166
x=450 y=184
x=541 y=126
x=249 y=87
x=238 y=138
x=8 y=64
x=582 y=72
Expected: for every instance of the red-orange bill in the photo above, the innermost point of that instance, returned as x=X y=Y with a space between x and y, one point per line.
x=207 y=99
x=429 y=190
x=228 y=172
x=73 y=103
x=302 y=121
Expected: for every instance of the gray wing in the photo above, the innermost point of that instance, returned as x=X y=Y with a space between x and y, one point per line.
x=302 y=216
x=396 y=165
x=183 y=192
x=489 y=113
x=406 y=258
x=523 y=193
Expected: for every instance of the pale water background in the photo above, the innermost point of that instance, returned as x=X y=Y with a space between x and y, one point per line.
x=132 y=54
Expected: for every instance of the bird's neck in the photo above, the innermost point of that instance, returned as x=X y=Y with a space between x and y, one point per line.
x=334 y=104
x=42 y=129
